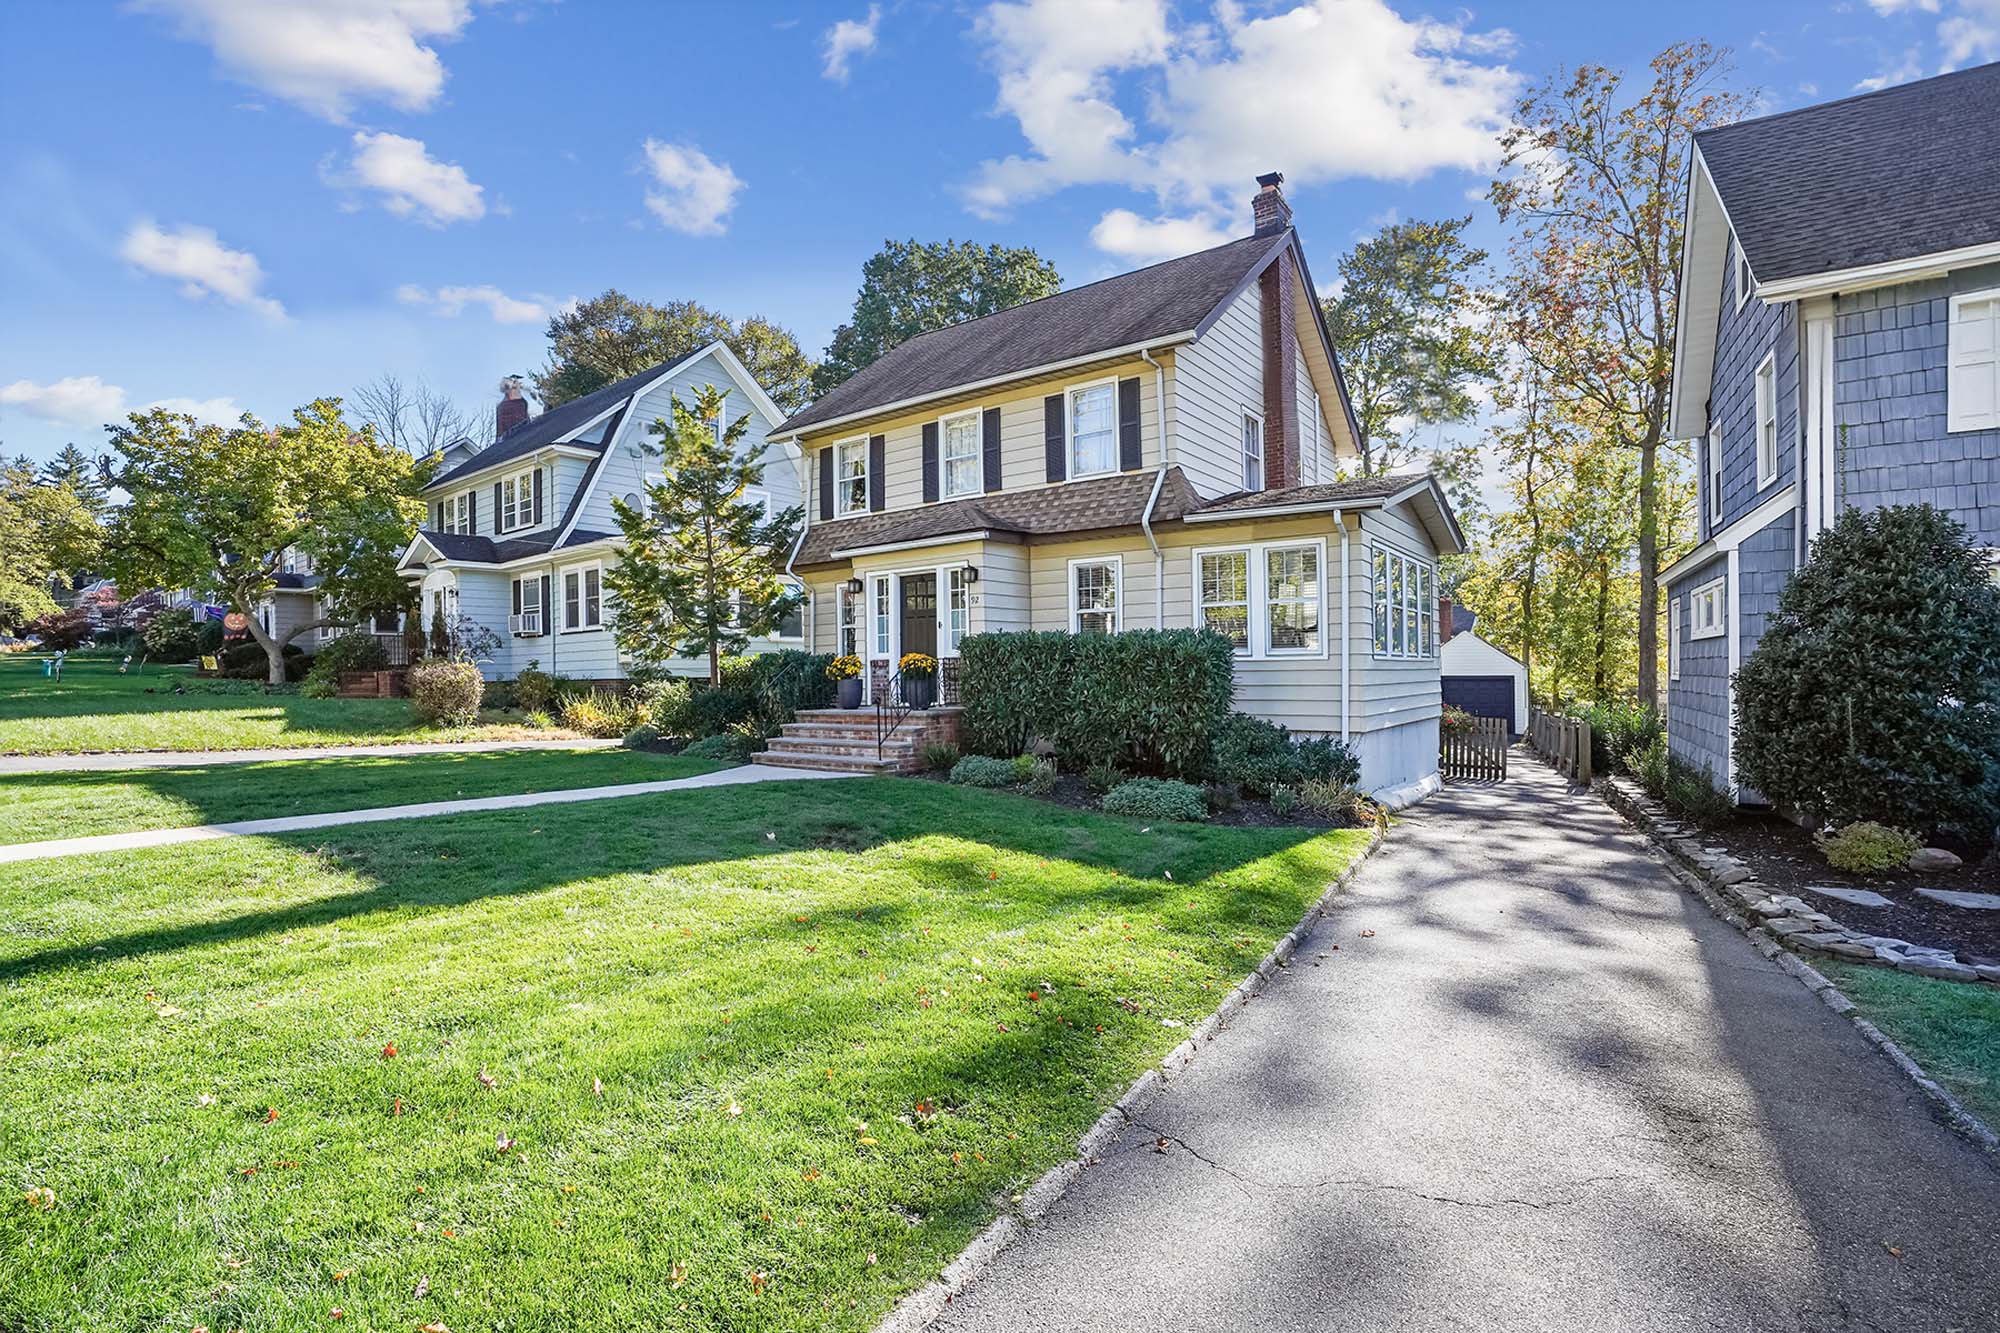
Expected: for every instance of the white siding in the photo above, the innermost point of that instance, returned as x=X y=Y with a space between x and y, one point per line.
x=1214 y=379
x=1389 y=691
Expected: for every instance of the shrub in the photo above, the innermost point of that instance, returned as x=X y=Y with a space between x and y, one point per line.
x=641 y=737
x=1260 y=755
x=1454 y=721
x=1041 y=779
x=1221 y=796
x=1874 y=692
x=1101 y=778
x=1336 y=800
x=247 y=661
x=319 y=686
x=940 y=756
x=978 y=770
x=1024 y=764
x=1619 y=731
x=1649 y=766
x=445 y=693
x=217 y=685
x=534 y=689
x=1148 y=700
x=712 y=709
x=172 y=636
x=1691 y=793
x=664 y=701
x=784 y=682
x=62 y=629
x=1330 y=759
x=600 y=714
x=354 y=650
x=1157 y=798
x=1284 y=800
x=725 y=749
x=208 y=639
x=1865 y=846
x=539 y=721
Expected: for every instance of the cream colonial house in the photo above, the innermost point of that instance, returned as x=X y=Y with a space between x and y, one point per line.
x=1159 y=449
x=520 y=533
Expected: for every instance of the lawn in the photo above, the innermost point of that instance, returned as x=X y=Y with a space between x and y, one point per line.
x=95 y=708
x=758 y=1057
x=73 y=805
x=1948 y=1027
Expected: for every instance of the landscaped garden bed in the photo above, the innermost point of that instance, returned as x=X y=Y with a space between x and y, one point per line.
x=758 y=1057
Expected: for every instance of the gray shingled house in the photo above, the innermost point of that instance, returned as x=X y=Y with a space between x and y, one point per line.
x=1839 y=346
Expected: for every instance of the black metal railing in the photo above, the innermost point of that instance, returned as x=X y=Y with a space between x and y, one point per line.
x=891 y=708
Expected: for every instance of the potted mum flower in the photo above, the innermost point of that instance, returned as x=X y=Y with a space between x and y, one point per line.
x=919 y=679
x=845 y=672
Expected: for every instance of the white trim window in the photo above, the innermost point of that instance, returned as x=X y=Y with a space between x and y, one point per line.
x=528 y=618
x=1291 y=600
x=1405 y=626
x=1674 y=639
x=850 y=477
x=1714 y=477
x=323 y=610
x=1705 y=619
x=458 y=514
x=517 y=501
x=958 y=608
x=1093 y=595
x=847 y=634
x=1972 y=362
x=1253 y=451
x=880 y=646
x=1767 y=421
x=583 y=597
x=1093 y=428
x=959 y=454
x=1745 y=283
x=791 y=625
x=1222 y=592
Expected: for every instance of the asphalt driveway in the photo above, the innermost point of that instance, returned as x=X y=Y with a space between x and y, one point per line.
x=1549 y=1091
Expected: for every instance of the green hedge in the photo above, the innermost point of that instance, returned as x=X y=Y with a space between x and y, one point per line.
x=1149 y=701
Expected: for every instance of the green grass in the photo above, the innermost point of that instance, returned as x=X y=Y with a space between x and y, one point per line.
x=95 y=708
x=836 y=1024
x=74 y=805
x=1950 y=1028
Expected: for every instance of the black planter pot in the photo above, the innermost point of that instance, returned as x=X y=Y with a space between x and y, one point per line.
x=850 y=692
x=920 y=693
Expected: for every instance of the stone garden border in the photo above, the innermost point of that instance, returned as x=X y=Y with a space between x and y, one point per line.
x=915 y=1311
x=1773 y=921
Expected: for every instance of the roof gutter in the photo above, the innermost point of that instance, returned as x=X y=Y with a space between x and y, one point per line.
x=1913 y=269
x=1159 y=480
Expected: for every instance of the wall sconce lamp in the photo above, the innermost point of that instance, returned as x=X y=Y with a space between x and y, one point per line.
x=972 y=573
x=854 y=587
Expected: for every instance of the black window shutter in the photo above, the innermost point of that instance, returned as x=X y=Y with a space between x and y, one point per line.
x=989 y=439
x=878 y=451
x=496 y=509
x=538 y=497
x=1052 y=436
x=516 y=584
x=826 y=484
x=930 y=461
x=545 y=605
x=472 y=511
x=1129 y=453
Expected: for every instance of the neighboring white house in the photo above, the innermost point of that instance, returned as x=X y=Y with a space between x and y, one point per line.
x=1479 y=678
x=520 y=534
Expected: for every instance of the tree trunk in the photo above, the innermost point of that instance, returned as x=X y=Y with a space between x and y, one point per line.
x=274 y=649
x=1599 y=673
x=1649 y=557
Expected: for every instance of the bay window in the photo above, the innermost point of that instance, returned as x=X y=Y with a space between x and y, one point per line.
x=1093 y=429
x=1405 y=605
x=960 y=455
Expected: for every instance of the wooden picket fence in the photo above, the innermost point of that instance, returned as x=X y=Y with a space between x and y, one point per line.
x=1476 y=755
x=1564 y=742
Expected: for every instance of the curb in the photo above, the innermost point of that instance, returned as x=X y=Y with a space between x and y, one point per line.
x=1702 y=882
x=915 y=1311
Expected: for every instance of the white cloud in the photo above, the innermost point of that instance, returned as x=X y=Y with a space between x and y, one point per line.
x=327 y=55
x=1125 y=234
x=695 y=194
x=1968 y=33
x=77 y=400
x=86 y=400
x=850 y=38
x=412 y=183
x=1324 y=90
x=1910 y=66
x=203 y=264
x=450 y=302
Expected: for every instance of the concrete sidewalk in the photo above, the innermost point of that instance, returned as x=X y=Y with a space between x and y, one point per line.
x=120 y=842
x=93 y=763
x=1520 y=1081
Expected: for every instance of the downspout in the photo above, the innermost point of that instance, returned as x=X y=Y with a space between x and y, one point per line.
x=1159 y=480
x=811 y=629
x=1346 y=632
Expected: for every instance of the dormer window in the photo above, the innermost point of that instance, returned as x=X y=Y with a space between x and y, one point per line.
x=517 y=501
x=850 y=477
x=1093 y=429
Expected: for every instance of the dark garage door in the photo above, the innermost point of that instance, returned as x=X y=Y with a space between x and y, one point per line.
x=1483 y=696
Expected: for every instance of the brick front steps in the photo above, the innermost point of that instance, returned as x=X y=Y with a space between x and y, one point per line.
x=842 y=740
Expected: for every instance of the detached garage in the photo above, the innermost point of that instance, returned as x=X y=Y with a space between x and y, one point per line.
x=1478 y=677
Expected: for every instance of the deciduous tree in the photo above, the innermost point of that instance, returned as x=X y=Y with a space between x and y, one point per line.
x=46 y=530
x=613 y=335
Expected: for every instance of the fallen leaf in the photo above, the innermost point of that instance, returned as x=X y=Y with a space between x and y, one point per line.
x=1367 y=934
x=435 y=1326
x=41 y=1197
x=502 y=1143
x=336 y=1313
x=204 y=1099
x=867 y=1142
x=810 y=1174
x=423 y=1287
x=398 y=1108
x=569 y=1189
x=389 y=1051
x=733 y=1108
x=1895 y=1251
x=678 y=1275
x=449 y=1234
x=871 y=1258
x=270 y=1114
x=597 y=1087
x=759 y=1279
x=170 y=1011
x=486 y=1080
x=341 y=1274
x=1001 y=1026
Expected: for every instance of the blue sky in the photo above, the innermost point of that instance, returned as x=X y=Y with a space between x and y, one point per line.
x=244 y=204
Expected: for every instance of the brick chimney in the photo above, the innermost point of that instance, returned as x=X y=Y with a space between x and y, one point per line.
x=1269 y=208
x=1278 y=289
x=1444 y=620
x=513 y=409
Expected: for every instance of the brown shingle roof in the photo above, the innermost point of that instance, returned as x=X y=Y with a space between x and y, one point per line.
x=1331 y=492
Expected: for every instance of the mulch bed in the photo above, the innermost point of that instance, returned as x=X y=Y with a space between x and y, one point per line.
x=1783 y=856
x=1071 y=791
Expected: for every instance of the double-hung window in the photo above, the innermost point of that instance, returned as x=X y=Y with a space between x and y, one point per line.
x=1093 y=596
x=1224 y=590
x=1291 y=599
x=1972 y=362
x=583 y=598
x=792 y=624
x=517 y=501
x=1253 y=452
x=1705 y=611
x=458 y=513
x=850 y=477
x=1405 y=605
x=1767 y=422
x=526 y=621
x=1266 y=599
x=959 y=455
x=1093 y=429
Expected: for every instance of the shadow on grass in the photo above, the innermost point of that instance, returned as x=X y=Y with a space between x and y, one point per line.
x=446 y=862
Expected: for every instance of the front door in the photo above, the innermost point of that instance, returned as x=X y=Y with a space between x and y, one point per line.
x=920 y=613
